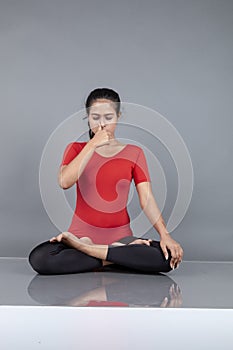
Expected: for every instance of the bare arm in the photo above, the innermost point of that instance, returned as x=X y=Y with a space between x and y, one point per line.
x=151 y=209
x=69 y=174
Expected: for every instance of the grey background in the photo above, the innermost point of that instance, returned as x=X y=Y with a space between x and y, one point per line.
x=175 y=57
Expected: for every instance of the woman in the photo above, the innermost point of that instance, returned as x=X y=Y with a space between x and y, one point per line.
x=100 y=232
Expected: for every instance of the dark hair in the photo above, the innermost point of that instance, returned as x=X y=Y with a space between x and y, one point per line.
x=102 y=93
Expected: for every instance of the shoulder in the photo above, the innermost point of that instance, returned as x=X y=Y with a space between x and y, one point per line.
x=135 y=152
x=135 y=148
x=76 y=145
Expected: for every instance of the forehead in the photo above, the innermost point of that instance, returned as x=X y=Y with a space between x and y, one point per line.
x=102 y=105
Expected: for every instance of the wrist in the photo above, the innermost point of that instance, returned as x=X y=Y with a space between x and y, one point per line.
x=164 y=234
x=91 y=144
x=161 y=228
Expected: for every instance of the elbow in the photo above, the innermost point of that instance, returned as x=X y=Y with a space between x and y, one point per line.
x=62 y=181
x=144 y=193
x=142 y=205
x=63 y=187
x=145 y=201
x=63 y=184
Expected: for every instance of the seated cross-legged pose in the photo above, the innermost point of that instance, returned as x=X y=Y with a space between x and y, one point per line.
x=100 y=233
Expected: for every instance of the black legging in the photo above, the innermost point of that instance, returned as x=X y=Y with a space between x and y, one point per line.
x=55 y=258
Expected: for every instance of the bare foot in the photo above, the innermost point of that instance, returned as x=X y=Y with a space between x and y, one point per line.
x=60 y=237
x=69 y=239
x=95 y=250
x=141 y=241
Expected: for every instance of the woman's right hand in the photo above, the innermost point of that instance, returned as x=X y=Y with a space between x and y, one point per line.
x=101 y=137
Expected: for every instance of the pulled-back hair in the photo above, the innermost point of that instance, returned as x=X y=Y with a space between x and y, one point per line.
x=102 y=93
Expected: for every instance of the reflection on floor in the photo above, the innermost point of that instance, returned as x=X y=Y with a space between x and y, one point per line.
x=192 y=285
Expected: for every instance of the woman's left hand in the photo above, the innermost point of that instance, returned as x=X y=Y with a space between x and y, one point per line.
x=175 y=249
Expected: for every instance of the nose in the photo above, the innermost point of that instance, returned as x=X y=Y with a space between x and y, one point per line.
x=102 y=122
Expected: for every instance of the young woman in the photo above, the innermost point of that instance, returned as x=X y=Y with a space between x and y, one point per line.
x=100 y=232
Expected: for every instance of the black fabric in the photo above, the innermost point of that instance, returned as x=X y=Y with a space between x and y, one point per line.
x=58 y=258
x=128 y=239
x=140 y=257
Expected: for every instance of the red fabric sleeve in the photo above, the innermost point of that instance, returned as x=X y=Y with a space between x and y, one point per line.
x=140 y=170
x=71 y=151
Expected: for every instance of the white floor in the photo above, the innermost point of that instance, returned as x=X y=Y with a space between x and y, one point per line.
x=190 y=307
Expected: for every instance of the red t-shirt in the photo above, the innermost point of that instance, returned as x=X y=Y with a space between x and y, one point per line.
x=102 y=192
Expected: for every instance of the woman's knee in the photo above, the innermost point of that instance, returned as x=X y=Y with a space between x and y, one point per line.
x=37 y=257
x=166 y=267
x=164 y=264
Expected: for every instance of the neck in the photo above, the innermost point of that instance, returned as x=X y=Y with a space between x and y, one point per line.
x=112 y=140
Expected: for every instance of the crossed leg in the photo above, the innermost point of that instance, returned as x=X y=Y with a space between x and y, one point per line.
x=71 y=254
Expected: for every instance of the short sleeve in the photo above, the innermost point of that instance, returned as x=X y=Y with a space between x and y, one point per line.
x=140 y=169
x=71 y=151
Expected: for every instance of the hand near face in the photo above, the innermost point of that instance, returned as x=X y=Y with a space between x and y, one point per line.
x=101 y=137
